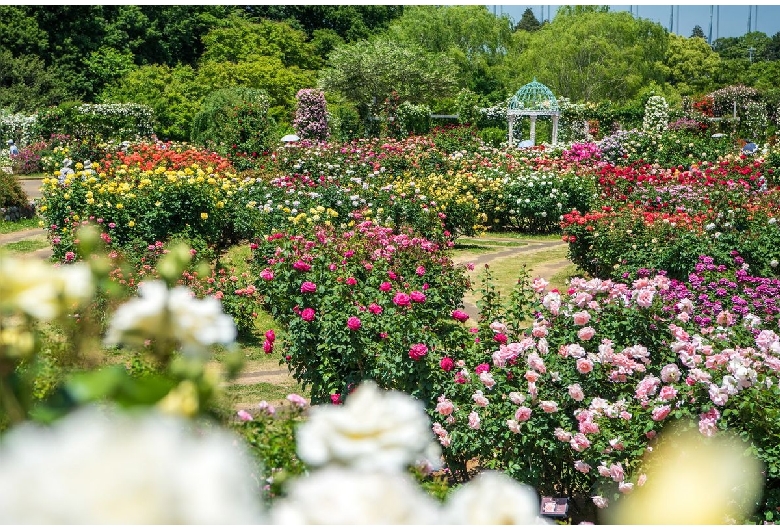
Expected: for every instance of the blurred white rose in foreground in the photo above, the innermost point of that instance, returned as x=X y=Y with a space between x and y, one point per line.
x=375 y=430
x=103 y=467
x=493 y=498
x=346 y=496
x=41 y=290
x=176 y=315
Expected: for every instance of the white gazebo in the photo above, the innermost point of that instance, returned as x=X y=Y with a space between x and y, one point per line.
x=532 y=100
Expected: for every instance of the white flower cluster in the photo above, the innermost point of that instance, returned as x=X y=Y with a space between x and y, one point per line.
x=142 y=114
x=171 y=315
x=656 y=114
x=42 y=291
x=104 y=467
x=17 y=126
x=362 y=448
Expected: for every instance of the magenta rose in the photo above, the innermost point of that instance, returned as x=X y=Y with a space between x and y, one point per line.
x=270 y=335
x=418 y=351
x=420 y=270
x=308 y=287
x=484 y=367
x=417 y=297
x=267 y=274
x=335 y=399
x=301 y=266
x=446 y=364
x=354 y=323
x=500 y=338
x=385 y=286
x=402 y=299
x=375 y=309
x=460 y=316
x=351 y=281
x=307 y=314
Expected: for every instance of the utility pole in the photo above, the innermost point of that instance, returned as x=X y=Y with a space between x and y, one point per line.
x=750 y=11
x=750 y=53
x=755 y=26
x=677 y=25
x=709 y=33
x=717 y=22
x=671 y=20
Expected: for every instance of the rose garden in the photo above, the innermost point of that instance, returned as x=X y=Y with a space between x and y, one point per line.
x=335 y=257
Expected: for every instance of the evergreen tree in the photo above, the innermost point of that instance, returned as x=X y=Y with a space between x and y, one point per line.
x=528 y=22
x=698 y=32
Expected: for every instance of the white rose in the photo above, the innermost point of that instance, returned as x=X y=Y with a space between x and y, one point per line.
x=373 y=430
x=493 y=498
x=162 y=314
x=101 y=467
x=338 y=496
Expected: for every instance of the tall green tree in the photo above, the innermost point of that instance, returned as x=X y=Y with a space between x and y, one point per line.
x=350 y=22
x=740 y=47
x=589 y=54
x=528 y=22
x=691 y=65
x=366 y=72
x=698 y=32
x=242 y=40
x=175 y=95
x=472 y=37
x=27 y=84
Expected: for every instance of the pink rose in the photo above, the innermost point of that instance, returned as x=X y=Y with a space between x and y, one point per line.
x=268 y=347
x=267 y=274
x=420 y=270
x=307 y=314
x=474 y=420
x=351 y=281
x=581 y=318
x=581 y=466
x=301 y=266
x=579 y=442
x=600 y=502
x=402 y=299
x=297 y=400
x=576 y=393
x=335 y=399
x=417 y=297
x=586 y=333
x=385 y=286
x=668 y=392
x=418 y=351
x=660 y=413
x=375 y=309
x=479 y=399
x=445 y=406
x=523 y=414
x=354 y=323
x=484 y=367
x=446 y=364
x=548 y=406
x=460 y=316
x=244 y=415
x=308 y=287
x=584 y=366
x=625 y=487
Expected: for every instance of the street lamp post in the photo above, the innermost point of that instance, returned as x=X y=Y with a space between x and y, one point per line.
x=750 y=53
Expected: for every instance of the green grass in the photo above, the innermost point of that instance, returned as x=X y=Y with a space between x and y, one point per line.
x=254 y=393
x=26 y=246
x=6 y=227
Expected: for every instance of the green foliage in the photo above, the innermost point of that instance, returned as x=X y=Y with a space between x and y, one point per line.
x=494 y=136
x=593 y=55
x=243 y=41
x=368 y=72
x=173 y=93
x=691 y=65
x=414 y=119
x=11 y=192
x=28 y=84
x=235 y=123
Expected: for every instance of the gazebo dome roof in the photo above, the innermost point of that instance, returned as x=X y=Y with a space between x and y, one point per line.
x=534 y=97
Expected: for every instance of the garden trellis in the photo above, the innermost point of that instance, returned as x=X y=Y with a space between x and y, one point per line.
x=532 y=100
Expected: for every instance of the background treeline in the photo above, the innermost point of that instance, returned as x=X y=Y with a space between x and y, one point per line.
x=368 y=59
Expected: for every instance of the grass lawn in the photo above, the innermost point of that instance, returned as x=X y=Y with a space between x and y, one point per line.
x=26 y=246
x=6 y=227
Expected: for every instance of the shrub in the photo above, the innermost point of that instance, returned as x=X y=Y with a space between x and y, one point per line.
x=311 y=115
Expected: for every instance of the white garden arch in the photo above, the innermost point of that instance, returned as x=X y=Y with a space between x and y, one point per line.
x=533 y=100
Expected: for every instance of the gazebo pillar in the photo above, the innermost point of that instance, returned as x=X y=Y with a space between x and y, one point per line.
x=555 y=129
x=511 y=140
x=533 y=129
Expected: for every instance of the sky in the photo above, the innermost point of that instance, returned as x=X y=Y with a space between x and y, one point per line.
x=733 y=18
